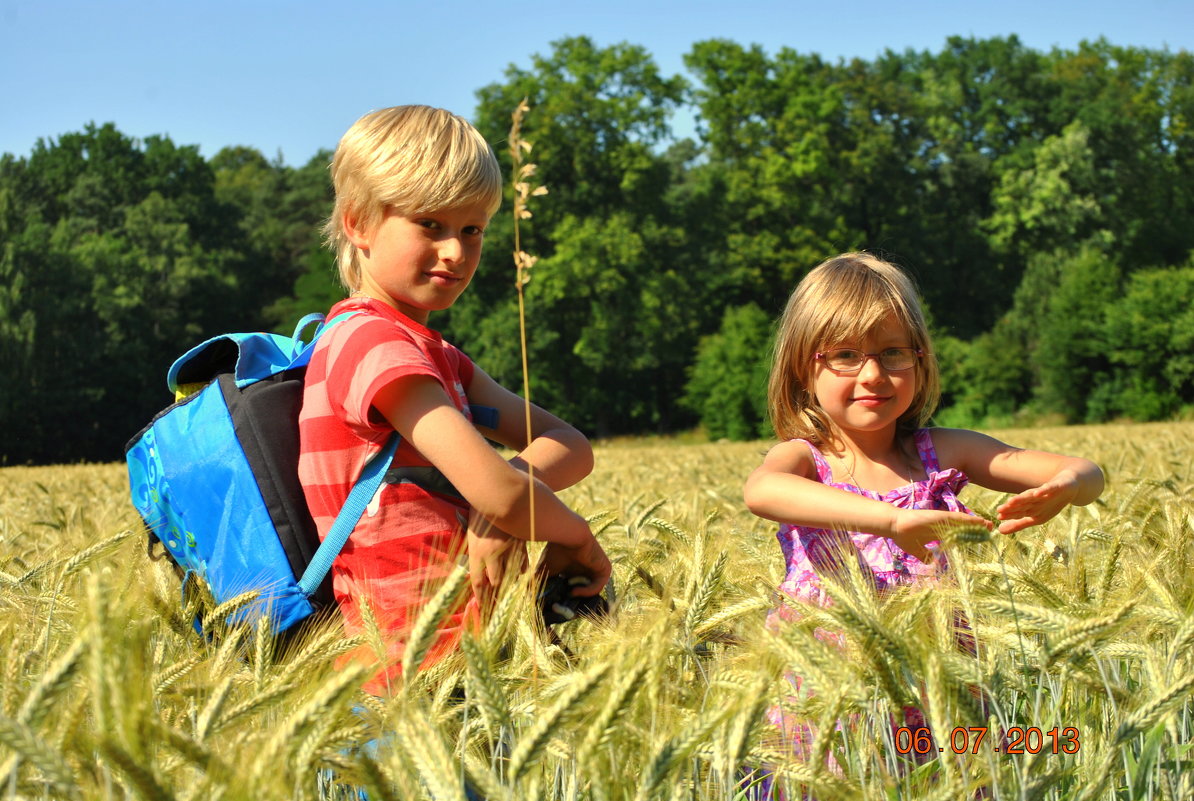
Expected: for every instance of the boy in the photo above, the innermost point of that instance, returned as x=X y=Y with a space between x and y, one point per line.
x=415 y=188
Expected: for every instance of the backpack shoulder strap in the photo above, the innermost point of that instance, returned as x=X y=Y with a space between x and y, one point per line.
x=362 y=492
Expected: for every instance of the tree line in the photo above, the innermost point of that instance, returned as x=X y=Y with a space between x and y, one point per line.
x=1043 y=201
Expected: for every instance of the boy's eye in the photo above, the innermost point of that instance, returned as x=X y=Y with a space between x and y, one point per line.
x=474 y=230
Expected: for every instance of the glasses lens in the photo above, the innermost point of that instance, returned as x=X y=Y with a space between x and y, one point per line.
x=897 y=358
x=844 y=359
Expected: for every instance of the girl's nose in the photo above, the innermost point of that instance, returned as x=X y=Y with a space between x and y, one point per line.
x=871 y=370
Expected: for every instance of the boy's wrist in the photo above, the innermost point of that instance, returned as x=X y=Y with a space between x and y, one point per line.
x=577 y=535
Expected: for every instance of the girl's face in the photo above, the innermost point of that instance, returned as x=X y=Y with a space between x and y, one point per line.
x=873 y=399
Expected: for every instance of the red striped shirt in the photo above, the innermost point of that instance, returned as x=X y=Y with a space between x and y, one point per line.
x=408 y=539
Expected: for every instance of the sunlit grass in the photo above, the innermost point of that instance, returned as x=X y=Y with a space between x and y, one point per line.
x=1084 y=624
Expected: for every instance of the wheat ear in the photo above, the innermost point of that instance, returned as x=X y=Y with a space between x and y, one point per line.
x=1151 y=713
x=423 y=634
x=211 y=711
x=674 y=751
x=29 y=746
x=616 y=704
x=134 y=772
x=533 y=741
x=423 y=745
x=488 y=693
x=53 y=682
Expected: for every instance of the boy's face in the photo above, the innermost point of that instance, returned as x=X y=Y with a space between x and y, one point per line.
x=422 y=262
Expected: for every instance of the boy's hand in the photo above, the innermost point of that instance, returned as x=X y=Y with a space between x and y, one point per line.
x=588 y=560
x=492 y=556
x=1037 y=505
x=914 y=528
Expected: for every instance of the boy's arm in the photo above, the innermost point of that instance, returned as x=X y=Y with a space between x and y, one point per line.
x=783 y=489
x=561 y=457
x=560 y=454
x=1045 y=482
x=419 y=409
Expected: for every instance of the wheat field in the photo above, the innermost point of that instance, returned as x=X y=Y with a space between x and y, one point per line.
x=1082 y=658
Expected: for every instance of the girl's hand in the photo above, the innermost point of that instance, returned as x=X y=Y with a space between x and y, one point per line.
x=587 y=560
x=492 y=556
x=1039 y=504
x=914 y=528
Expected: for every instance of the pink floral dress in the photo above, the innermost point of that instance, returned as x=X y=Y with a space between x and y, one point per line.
x=809 y=552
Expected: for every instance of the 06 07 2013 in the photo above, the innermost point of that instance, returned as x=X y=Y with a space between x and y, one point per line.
x=969 y=739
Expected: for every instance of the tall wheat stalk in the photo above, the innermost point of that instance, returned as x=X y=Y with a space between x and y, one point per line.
x=520 y=176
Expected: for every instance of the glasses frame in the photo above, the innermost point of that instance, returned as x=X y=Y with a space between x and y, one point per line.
x=878 y=357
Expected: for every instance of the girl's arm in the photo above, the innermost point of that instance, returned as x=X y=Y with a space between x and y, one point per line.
x=1045 y=482
x=419 y=409
x=784 y=489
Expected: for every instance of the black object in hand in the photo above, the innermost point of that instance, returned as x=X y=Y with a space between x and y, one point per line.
x=559 y=605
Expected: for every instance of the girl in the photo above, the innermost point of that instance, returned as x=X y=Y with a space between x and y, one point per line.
x=853 y=383
x=852 y=386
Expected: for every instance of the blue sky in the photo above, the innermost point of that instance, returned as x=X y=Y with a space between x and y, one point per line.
x=289 y=78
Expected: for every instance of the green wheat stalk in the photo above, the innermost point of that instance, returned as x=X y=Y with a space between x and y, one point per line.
x=27 y=745
x=532 y=742
x=524 y=190
x=424 y=632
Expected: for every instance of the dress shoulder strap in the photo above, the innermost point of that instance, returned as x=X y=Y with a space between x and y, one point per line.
x=926 y=451
x=824 y=473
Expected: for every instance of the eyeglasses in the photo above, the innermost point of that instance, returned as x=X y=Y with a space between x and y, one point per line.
x=850 y=360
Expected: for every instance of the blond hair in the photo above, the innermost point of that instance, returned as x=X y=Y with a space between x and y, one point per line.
x=841 y=300
x=412 y=159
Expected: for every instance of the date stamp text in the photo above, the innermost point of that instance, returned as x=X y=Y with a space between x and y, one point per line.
x=970 y=739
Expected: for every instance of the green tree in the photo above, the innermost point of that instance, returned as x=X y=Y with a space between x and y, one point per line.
x=280 y=212
x=986 y=380
x=727 y=387
x=772 y=130
x=1070 y=356
x=1043 y=355
x=1050 y=203
x=1138 y=106
x=611 y=302
x=896 y=156
x=1149 y=335
x=118 y=256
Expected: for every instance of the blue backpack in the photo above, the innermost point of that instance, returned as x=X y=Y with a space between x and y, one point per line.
x=215 y=476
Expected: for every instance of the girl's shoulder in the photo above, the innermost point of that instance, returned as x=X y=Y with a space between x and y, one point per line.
x=796 y=456
x=960 y=448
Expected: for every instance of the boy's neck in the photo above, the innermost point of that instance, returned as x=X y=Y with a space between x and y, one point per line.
x=418 y=320
x=410 y=312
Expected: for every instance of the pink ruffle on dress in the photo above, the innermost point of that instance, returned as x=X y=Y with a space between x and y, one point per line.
x=809 y=552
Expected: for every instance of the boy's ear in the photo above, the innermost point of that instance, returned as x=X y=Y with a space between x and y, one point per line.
x=356 y=232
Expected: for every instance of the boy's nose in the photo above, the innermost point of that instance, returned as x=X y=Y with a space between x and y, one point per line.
x=451 y=249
